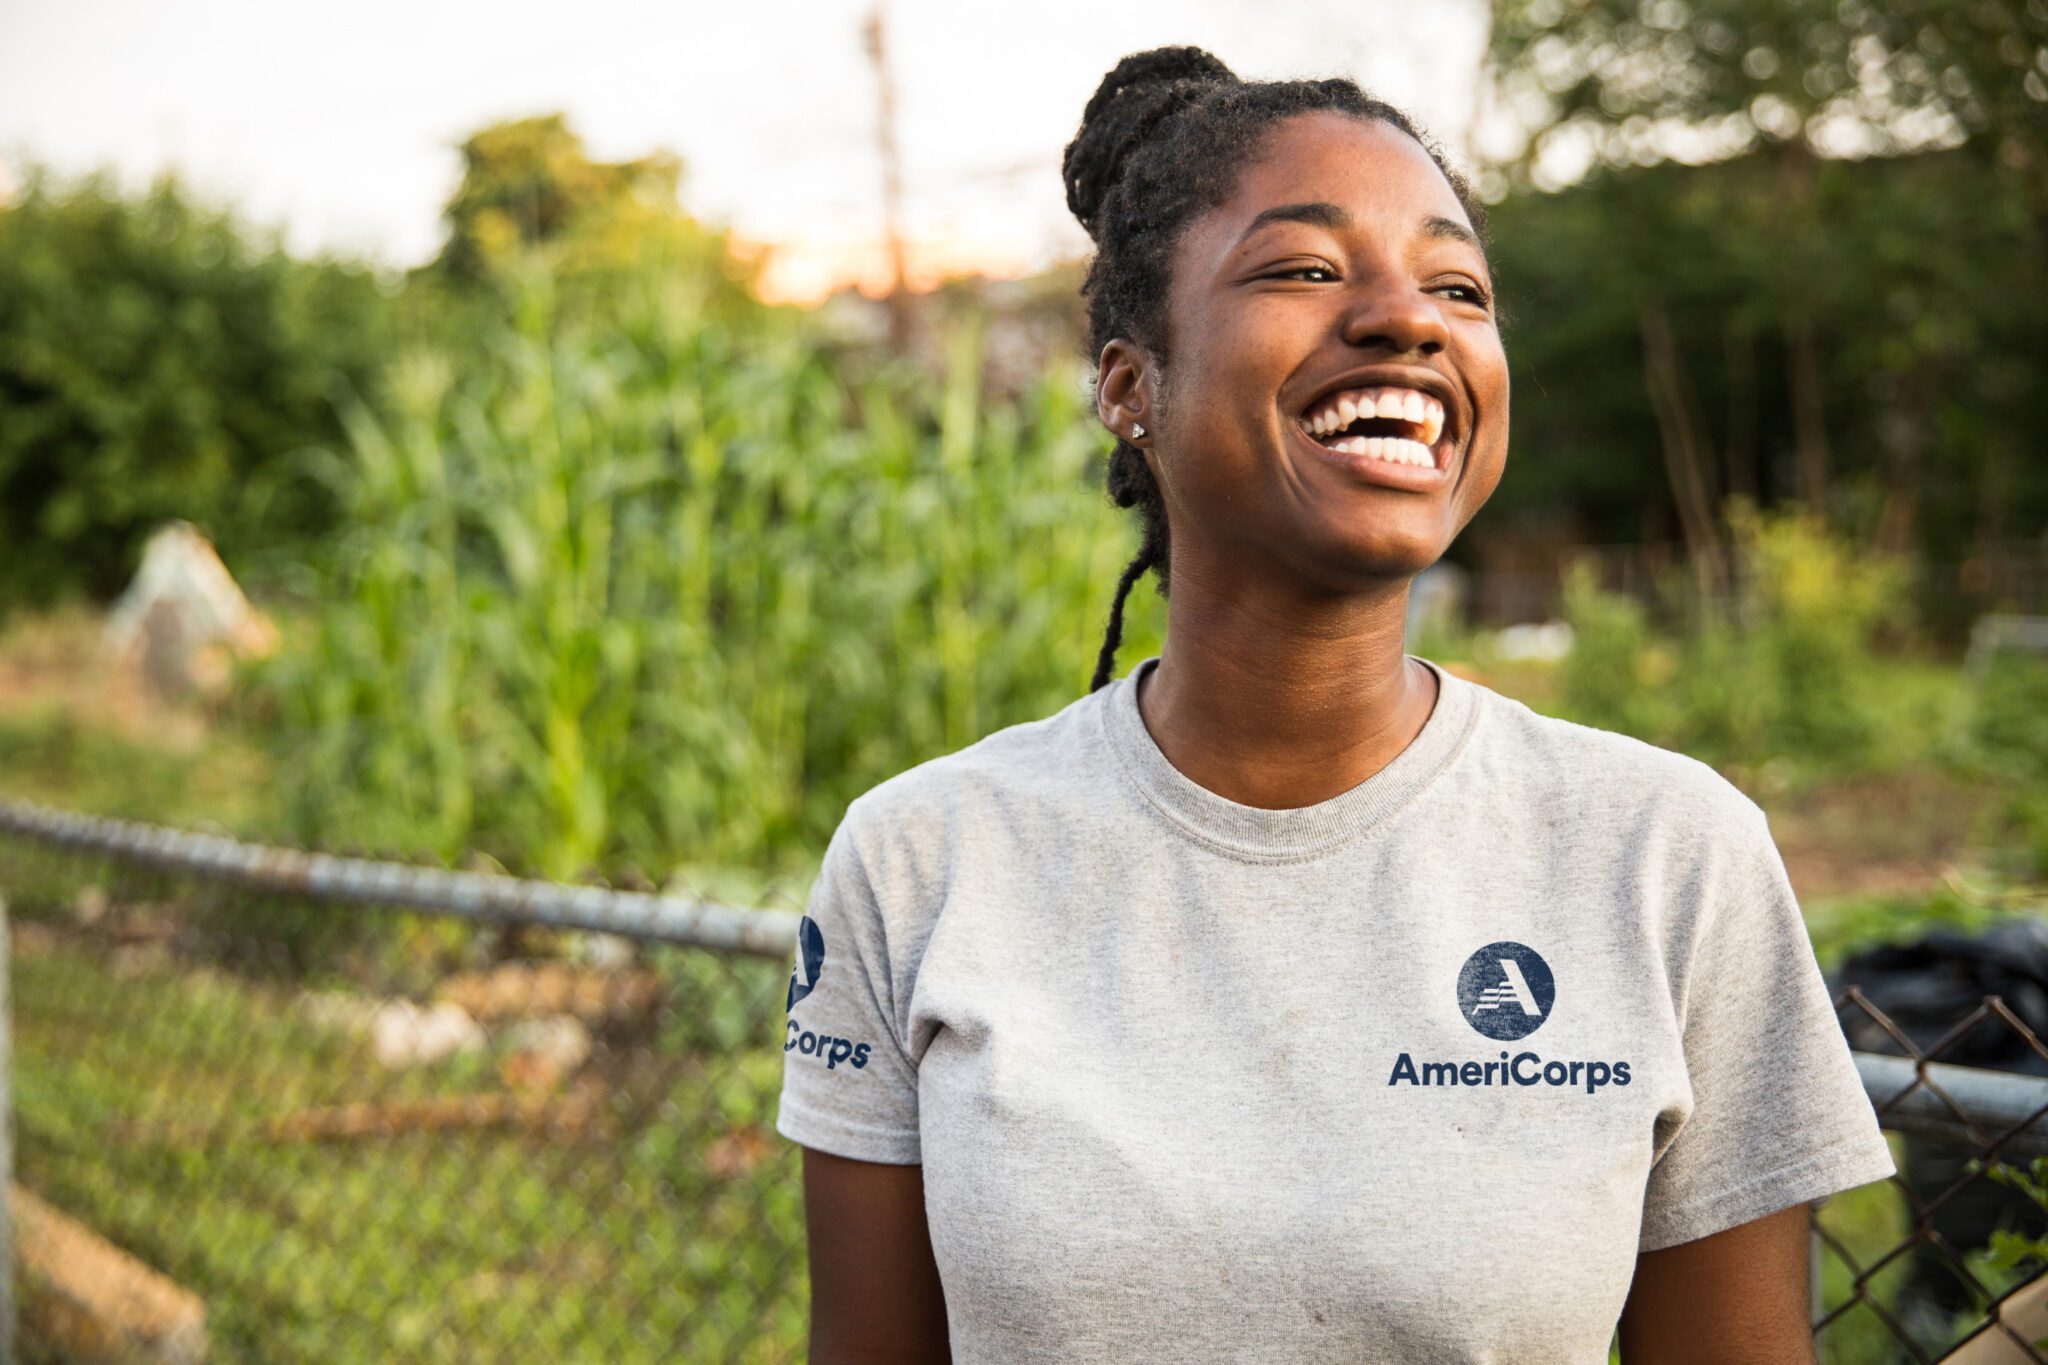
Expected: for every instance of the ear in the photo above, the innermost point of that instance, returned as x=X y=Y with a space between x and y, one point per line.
x=1124 y=387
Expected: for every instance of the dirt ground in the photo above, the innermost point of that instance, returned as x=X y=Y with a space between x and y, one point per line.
x=1876 y=835
x=54 y=665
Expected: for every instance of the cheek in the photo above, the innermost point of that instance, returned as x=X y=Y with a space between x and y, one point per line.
x=1490 y=360
x=1485 y=367
x=1237 y=360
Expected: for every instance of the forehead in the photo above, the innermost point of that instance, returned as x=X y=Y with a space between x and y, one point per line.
x=1378 y=174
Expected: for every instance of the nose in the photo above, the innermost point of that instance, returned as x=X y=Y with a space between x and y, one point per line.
x=1388 y=313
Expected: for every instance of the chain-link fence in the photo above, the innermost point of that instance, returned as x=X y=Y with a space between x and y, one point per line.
x=279 y=1107
x=1945 y=1260
x=456 y=1118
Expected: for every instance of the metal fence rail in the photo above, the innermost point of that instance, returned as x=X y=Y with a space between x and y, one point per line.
x=477 y=1117
x=362 y=881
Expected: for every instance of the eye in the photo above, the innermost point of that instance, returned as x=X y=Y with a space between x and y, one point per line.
x=1462 y=290
x=1313 y=274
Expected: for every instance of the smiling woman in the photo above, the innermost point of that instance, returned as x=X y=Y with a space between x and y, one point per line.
x=1199 y=1020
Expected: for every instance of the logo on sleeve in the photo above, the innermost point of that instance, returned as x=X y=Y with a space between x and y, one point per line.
x=803 y=979
x=1506 y=990
x=810 y=961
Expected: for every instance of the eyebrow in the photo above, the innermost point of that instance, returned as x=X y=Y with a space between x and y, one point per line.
x=1322 y=214
x=1317 y=214
x=1436 y=226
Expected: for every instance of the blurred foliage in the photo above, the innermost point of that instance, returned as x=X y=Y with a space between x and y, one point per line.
x=1843 y=335
x=616 y=565
x=2009 y=733
x=530 y=192
x=1853 y=924
x=1791 y=671
x=1868 y=76
x=1837 y=213
x=158 y=361
x=650 y=582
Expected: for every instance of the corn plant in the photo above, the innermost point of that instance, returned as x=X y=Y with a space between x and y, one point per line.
x=663 y=583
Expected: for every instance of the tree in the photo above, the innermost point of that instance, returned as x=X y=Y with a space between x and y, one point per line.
x=1657 y=318
x=1841 y=292
x=529 y=189
x=158 y=360
x=1648 y=80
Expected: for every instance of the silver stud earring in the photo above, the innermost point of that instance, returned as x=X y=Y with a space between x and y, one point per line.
x=1137 y=430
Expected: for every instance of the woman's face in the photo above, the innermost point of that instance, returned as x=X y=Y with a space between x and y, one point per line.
x=1336 y=404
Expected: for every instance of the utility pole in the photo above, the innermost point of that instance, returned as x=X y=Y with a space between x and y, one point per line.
x=875 y=31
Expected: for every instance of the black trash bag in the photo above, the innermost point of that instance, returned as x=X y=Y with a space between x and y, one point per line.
x=1926 y=989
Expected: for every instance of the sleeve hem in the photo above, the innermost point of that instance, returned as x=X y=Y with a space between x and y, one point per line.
x=1844 y=1164
x=841 y=1137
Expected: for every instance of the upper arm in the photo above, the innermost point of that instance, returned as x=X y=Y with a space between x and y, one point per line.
x=1738 y=1297
x=875 y=1293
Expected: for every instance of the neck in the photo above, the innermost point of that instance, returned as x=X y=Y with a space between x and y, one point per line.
x=1278 y=705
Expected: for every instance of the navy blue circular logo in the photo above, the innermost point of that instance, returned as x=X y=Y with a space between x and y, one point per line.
x=1506 y=990
x=810 y=961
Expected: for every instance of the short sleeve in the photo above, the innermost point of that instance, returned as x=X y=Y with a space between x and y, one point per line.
x=1778 y=1114
x=848 y=1086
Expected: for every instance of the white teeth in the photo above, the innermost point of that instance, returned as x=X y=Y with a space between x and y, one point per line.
x=1419 y=410
x=1392 y=449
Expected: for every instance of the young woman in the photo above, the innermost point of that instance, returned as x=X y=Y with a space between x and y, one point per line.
x=1289 y=998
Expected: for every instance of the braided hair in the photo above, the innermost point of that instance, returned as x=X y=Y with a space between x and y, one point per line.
x=1160 y=143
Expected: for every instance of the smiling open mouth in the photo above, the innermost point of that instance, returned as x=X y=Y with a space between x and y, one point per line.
x=1398 y=425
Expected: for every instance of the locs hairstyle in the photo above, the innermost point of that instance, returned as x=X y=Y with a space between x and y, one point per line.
x=1161 y=143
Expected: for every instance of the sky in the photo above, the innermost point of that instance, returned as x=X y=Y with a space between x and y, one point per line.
x=338 y=124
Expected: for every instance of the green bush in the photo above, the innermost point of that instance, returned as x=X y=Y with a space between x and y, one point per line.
x=1789 y=670
x=1611 y=678
x=2008 y=740
x=158 y=361
x=1811 y=607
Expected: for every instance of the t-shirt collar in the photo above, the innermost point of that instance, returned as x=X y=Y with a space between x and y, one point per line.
x=1267 y=835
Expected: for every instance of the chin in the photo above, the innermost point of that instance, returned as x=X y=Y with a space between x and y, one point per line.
x=1370 y=563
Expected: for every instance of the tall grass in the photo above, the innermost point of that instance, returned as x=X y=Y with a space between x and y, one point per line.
x=657 y=583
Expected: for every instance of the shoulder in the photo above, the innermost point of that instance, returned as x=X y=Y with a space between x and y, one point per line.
x=911 y=831
x=1605 y=781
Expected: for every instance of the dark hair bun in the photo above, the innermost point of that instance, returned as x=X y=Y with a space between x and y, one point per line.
x=1133 y=99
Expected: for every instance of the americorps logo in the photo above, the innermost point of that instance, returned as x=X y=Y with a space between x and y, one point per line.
x=810 y=961
x=1506 y=990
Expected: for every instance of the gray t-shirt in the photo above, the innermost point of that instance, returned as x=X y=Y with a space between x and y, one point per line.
x=1411 y=1074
